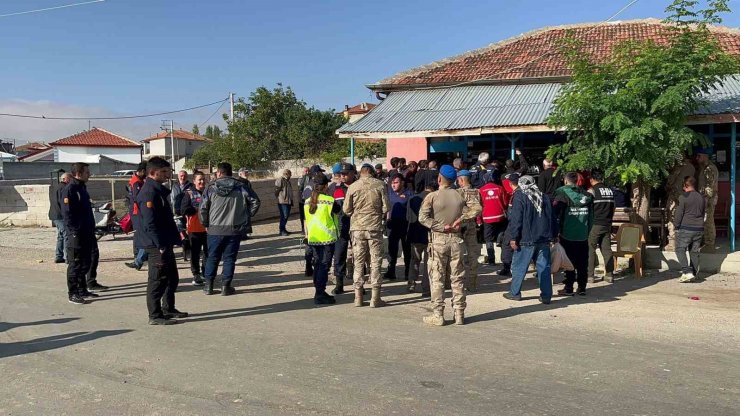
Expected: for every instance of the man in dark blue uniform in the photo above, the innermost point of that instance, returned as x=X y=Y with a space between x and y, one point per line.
x=80 y=227
x=158 y=234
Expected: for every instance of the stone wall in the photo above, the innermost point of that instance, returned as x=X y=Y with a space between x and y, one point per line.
x=24 y=205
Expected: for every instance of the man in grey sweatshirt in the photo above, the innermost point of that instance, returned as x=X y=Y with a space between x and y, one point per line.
x=689 y=224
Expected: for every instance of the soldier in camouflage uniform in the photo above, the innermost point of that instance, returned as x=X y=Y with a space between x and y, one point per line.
x=443 y=213
x=707 y=181
x=469 y=229
x=366 y=203
x=674 y=189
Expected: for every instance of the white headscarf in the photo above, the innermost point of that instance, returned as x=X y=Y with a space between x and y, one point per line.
x=530 y=189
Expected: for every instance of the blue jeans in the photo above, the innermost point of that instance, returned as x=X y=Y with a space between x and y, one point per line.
x=284 y=214
x=61 y=237
x=224 y=247
x=141 y=257
x=322 y=256
x=520 y=263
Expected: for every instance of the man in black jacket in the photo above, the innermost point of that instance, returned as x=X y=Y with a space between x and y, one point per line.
x=601 y=231
x=158 y=235
x=689 y=225
x=548 y=181
x=55 y=215
x=79 y=224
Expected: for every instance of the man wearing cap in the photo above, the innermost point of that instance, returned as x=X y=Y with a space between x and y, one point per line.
x=244 y=179
x=367 y=203
x=469 y=228
x=443 y=212
x=284 y=195
x=342 y=250
x=708 y=176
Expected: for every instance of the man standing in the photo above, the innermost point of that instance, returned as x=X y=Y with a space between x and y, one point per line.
x=158 y=235
x=284 y=195
x=708 y=176
x=303 y=181
x=133 y=188
x=674 y=189
x=428 y=178
x=510 y=184
x=549 y=181
x=469 y=229
x=79 y=224
x=398 y=197
x=689 y=225
x=418 y=239
x=480 y=171
x=55 y=215
x=244 y=179
x=530 y=232
x=225 y=212
x=367 y=204
x=443 y=212
x=178 y=192
x=494 y=203
x=196 y=231
x=601 y=231
x=574 y=213
x=342 y=251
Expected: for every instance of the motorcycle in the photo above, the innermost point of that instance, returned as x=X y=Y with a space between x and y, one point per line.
x=106 y=221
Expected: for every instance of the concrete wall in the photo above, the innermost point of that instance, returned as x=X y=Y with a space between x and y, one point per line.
x=71 y=154
x=183 y=148
x=40 y=170
x=24 y=205
x=411 y=149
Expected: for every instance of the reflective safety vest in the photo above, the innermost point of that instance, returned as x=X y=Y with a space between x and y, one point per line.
x=321 y=226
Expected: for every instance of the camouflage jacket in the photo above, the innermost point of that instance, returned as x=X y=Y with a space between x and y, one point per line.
x=366 y=203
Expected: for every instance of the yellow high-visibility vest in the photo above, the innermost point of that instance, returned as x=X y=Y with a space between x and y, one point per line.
x=321 y=226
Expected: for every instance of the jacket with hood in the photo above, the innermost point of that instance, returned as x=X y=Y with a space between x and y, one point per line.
x=574 y=212
x=227 y=206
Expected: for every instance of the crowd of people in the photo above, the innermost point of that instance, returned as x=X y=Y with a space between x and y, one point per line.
x=438 y=218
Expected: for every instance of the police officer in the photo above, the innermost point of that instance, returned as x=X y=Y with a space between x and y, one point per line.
x=469 y=228
x=342 y=250
x=322 y=225
x=158 y=235
x=443 y=212
x=708 y=176
x=79 y=224
x=674 y=189
x=367 y=203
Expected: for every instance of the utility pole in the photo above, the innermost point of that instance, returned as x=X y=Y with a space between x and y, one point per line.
x=170 y=125
x=231 y=101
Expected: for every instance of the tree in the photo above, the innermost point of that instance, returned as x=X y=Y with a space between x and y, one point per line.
x=626 y=115
x=196 y=129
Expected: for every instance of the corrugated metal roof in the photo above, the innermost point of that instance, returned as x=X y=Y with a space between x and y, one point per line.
x=490 y=106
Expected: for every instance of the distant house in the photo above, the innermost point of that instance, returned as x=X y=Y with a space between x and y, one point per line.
x=185 y=143
x=90 y=145
x=30 y=147
x=354 y=114
x=38 y=155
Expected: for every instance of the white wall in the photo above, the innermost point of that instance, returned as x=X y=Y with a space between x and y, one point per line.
x=71 y=154
x=183 y=148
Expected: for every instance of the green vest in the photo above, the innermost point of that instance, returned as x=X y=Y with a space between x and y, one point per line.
x=321 y=226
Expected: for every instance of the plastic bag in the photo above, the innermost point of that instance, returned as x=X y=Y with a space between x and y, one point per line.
x=126 y=225
x=559 y=260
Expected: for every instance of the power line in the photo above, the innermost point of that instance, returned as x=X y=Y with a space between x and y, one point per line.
x=545 y=54
x=214 y=113
x=113 y=118
x=52 y=8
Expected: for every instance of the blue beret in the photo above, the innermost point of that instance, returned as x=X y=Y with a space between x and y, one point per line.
x=448 y=172
x=463 y=172
x=336 y=168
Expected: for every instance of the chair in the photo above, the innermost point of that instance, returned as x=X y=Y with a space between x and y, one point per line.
x=722 y=218
x=630 y=240
x=657 y=218
x=621 y=216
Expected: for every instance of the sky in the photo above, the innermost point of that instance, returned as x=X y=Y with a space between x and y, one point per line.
x=124 y=57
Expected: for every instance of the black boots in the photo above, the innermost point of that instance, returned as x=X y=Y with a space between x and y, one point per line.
x=339 y=287
x=226 y=289
x=208 y=288
x=491 y=256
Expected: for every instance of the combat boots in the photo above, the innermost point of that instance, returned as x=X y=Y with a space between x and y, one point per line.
x=208 y=288
x=459 y=318
x=435 y=319
x=358 y=297
x=339 y=287
x=226 y=289
x=375 y=300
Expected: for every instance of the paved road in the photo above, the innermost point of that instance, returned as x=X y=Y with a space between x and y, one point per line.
x=637 y=348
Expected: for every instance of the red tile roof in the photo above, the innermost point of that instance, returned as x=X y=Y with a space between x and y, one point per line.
x=179 y=134
x=361 y=108
x=32 y=146
x=96 y=137
x=537 y=54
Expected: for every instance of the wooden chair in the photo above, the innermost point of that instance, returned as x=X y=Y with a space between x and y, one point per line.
x=722 y=218
x=621 y=216
x=657 y=218
x=630 y=240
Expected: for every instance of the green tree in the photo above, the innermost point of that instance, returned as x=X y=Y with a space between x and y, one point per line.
x=626 y=115
x=196 y=129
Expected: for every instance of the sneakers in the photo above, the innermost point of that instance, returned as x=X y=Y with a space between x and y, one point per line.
x=57 y=261
x=509 y=296
x=544 y=302
x=175 y=314
x=581 y=292
x=434 y=320
x=324 y=299
x=686 y=278
x=566 y=292
x=77 y=300
x=88 y=294
x=133 y=265
x=504 y=272
x=197 y=280
x=609 y=278
x=97 y=287
x=284 y=233
x=161 y=321
x=411 y=288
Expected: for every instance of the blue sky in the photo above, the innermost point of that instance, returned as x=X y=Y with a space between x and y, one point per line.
x=135 y=56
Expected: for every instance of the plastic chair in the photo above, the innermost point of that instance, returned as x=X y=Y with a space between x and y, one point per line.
x=630 y=240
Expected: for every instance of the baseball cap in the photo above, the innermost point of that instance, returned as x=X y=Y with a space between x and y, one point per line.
x=704 y=151
x=463 y=172
x=315 y=169
x=448 y=172
x=513 y=178
x=336 y=168
x=347 y=168
x=320 y=180
x=379 y=166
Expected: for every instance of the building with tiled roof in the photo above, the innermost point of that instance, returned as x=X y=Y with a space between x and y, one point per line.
x=161 y=144
x=88 y=146
x=356 y=112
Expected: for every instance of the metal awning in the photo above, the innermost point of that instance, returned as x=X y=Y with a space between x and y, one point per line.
x=475 y=110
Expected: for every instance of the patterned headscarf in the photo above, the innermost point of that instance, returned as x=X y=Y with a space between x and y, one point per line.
x=530 y=189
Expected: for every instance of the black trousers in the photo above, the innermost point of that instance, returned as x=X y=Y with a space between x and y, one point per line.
x=340 y=259
x=491 y=232
x=600 y=237
x=163 y=280
x=577 y=252
x=396 y=235
x=322 y=256
x=507 y=254
x=79 y=261
x=91 y=278
x=198 y=246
